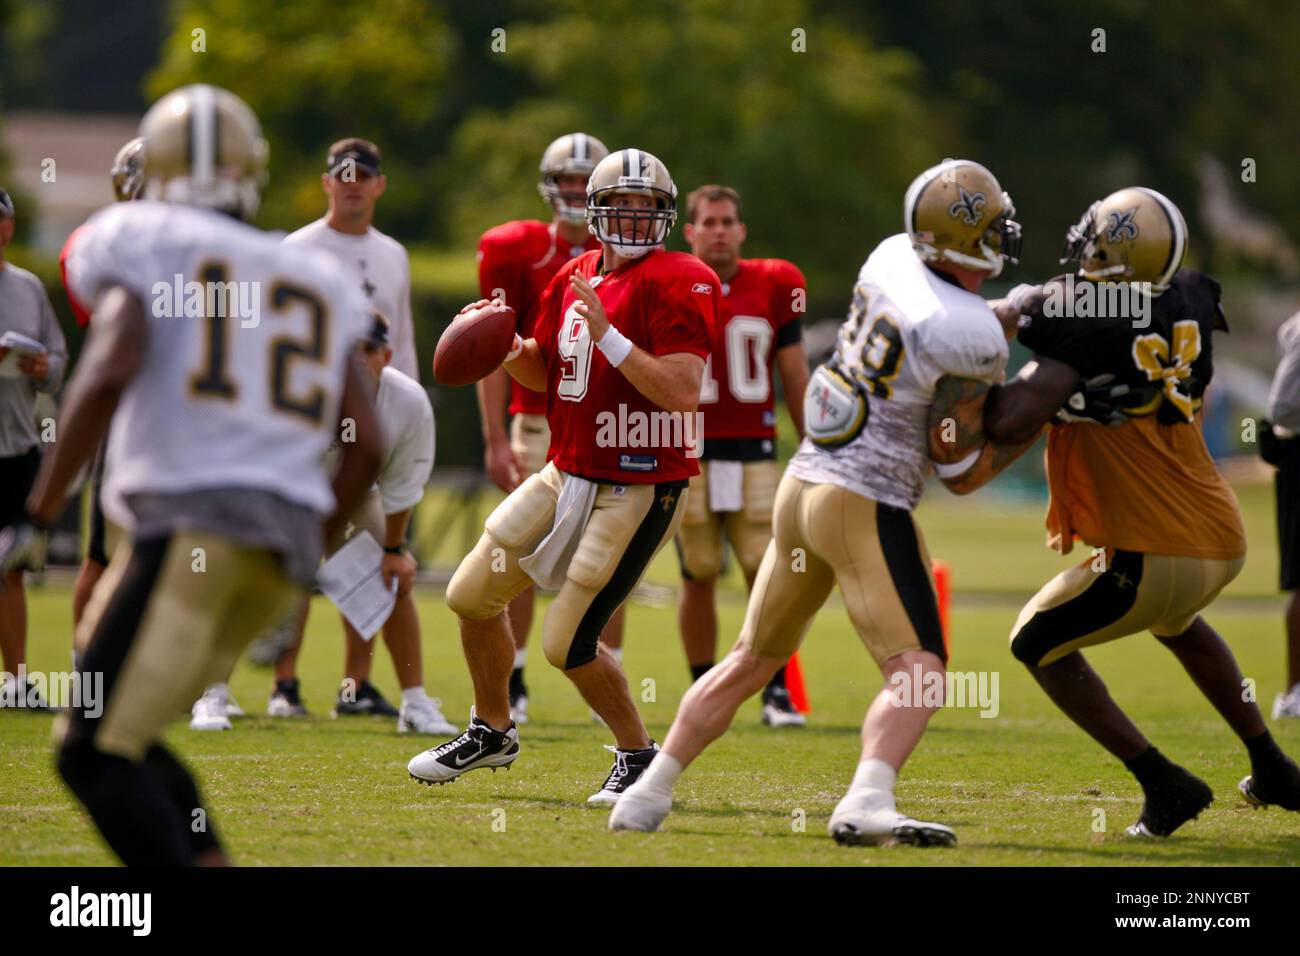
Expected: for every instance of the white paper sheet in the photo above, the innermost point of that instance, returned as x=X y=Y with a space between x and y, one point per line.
x=18 y=345
x=351 y=579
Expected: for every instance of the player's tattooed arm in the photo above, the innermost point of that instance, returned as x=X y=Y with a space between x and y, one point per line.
x=113 y=355
x=1016 y=411
x=964 y=456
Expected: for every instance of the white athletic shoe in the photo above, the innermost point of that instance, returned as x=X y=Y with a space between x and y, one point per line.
x=868 y=818
x=641 y=809
x=232 y=706
x=778 y=711
x=519 y=709
x=424 y=717
x=479 y=746
x=209 y=711
x=627 y=770
x=1288 y=704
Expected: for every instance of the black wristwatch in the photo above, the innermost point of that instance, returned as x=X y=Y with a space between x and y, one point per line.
x=395 y=550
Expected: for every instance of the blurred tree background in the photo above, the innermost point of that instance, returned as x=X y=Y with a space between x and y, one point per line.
x=819 y=111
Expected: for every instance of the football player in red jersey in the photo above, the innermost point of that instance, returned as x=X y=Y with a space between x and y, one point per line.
x=759 y=326
x=516 y=261
x=619 y=345
x=128 y=178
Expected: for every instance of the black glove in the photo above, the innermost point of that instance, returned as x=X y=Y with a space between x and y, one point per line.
x=1272 y=447
x=1095 y=402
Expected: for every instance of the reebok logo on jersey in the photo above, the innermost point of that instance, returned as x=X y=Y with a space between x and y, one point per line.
x=703 y=288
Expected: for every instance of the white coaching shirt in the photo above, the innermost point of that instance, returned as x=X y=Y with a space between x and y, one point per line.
x=404 y=413
x=915 y=328
x=248 y=401
x=383 y=272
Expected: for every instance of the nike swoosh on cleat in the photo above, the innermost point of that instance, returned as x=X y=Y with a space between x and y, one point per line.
x=460 y=763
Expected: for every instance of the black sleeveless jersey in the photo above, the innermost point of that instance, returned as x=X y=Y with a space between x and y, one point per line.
x=1136 y=355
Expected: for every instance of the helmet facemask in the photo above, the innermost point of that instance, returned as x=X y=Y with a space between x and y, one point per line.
x=1081 y=247
x=128 y=171
x=1002 y=242
x=631 y=232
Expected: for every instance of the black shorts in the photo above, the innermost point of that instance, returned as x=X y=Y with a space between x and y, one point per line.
x=17 y=475
x=1288 y=514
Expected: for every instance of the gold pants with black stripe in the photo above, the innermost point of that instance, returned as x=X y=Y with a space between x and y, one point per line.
x=700 y=539
x=824 y=535
x=1123 y=593
x=627 y=527
x=170 y=616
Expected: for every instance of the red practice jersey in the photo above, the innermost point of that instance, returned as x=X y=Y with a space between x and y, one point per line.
x=601 y=426
x=761 y=310
x=79 y=309
x=516 y=261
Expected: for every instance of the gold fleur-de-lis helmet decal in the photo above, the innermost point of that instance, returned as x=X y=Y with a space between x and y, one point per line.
x=969 y=208
x=958 y=212
x=1120 y=225
x=1133 y=235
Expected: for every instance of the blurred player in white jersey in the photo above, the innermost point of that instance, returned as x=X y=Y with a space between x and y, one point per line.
x=128 y=179
x=874 y=419
x=224 y=360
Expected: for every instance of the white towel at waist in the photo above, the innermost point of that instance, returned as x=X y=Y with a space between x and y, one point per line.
x=726 y=486
x=549 y=564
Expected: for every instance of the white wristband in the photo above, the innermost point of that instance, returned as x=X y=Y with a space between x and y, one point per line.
x=615 y=346
x=515 y=349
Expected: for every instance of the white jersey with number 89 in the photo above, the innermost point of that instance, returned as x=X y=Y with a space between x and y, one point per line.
x=907 y=328
x=245 y=361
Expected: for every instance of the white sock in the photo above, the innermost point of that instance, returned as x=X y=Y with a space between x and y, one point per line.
x=662 y=773
x=414 y=695
x=521 y=657
x=218 y=690
x=873 y=774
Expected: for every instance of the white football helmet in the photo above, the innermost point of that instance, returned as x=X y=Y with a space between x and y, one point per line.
x=572 y=154
x=957 y=212
x=634 y=172
x=204 y=147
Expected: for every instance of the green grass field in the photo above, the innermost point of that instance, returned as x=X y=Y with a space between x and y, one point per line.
x=1021 y=788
